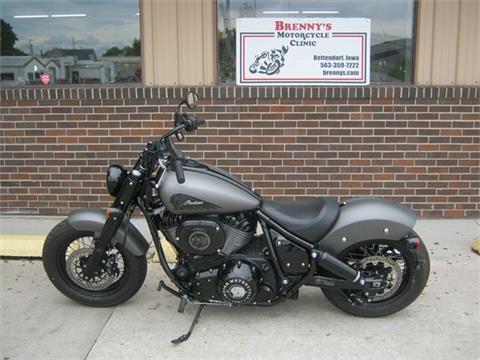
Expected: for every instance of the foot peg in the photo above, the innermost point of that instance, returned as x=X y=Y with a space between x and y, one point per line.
x=183 y=304
x=162 y=285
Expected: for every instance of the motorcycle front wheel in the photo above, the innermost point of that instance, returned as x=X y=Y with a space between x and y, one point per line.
x=65 y=255
x=405 y=272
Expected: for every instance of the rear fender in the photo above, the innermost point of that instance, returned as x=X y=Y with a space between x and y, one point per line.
x=364 y=219
x=127 y=234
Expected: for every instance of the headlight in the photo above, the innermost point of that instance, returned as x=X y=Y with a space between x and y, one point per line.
x=115 y=177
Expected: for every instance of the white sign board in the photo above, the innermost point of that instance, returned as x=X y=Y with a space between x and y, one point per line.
x=303 y=51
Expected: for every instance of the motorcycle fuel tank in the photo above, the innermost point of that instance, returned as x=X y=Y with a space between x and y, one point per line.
x=205 y=193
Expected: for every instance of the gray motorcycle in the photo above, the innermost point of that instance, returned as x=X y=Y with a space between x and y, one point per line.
x=233 y=247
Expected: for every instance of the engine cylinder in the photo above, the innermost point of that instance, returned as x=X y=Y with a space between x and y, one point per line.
x=224 y=234
x=202 y=237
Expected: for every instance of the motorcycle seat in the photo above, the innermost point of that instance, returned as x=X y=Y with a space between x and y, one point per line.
x=311 y=219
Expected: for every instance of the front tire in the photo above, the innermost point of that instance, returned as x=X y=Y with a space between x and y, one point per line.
x=65 y=253
x=415 y=272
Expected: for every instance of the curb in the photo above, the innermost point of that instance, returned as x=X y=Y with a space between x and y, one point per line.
x=21 y=245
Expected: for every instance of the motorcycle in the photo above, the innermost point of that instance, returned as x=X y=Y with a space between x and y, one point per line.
x=269 y=62
x=232 y=246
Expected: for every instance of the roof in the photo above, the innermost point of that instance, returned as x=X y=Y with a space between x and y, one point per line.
x=391 y=48
x=80 y=54
x=17 y=61
x=22 y=61
x=48 y=61
x=122 y=59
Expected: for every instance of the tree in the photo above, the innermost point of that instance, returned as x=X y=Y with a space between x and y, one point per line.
x=113 y=51
x=133 y=50
x=8 y=39
x=136 y=48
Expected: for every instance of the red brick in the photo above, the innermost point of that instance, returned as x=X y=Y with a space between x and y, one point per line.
x=282 y=109
x=420 y=152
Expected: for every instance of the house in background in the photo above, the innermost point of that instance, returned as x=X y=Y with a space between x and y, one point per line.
x=21 y=70
x=81 y=66
x=66 y=66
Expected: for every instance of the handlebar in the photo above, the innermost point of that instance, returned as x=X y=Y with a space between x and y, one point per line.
x=189 y=123
x=192 y=123
x=165 y=146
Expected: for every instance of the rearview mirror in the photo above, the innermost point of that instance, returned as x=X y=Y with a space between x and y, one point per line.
x=192 y=99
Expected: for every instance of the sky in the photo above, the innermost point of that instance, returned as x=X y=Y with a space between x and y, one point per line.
x=106 y=23
x=111 y=23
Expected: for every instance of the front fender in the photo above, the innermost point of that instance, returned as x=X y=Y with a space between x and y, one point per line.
x=127 y=234
x=364 y=219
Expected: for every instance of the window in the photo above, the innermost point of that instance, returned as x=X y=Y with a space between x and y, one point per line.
x=53 y=73
x=7 y=76
x=81 y=42
x=392 y=23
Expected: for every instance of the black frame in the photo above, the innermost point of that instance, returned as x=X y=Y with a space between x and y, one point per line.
x=305 y=279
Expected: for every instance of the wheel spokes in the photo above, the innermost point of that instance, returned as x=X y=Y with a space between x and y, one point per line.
x=378 y=260
x=111 y=269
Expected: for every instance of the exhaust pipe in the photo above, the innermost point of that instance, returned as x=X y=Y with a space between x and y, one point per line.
x=335 y=266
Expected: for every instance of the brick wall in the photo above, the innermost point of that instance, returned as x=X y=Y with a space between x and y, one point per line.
x=416 y=145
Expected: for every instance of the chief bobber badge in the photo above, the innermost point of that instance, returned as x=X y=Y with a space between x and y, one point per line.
x=45 y=78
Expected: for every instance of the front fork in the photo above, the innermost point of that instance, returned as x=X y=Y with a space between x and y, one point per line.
x=115 y=215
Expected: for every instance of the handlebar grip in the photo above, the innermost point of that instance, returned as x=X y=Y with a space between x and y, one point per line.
x=177 y=166
x=192 y=123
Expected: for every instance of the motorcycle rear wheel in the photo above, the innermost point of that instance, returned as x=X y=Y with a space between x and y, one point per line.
x=119 y=276
x=398 y=263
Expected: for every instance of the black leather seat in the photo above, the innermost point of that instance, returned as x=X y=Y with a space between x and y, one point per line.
x=310 y=220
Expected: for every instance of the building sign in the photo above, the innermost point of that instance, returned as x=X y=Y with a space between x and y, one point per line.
x=306 y=51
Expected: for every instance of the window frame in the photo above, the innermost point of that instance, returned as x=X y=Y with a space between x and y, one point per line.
x=405 y=83
x=87 y=85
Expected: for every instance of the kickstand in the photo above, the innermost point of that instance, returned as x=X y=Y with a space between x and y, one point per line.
x=186 y=336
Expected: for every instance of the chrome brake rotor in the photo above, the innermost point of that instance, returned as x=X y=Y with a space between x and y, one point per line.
x=390 y=270
x=76 y=266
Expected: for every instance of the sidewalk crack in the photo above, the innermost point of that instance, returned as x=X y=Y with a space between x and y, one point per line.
x=99 y=333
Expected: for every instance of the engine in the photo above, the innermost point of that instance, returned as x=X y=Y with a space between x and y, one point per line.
x=220 y=258
x=209 y=235
x=238 y=283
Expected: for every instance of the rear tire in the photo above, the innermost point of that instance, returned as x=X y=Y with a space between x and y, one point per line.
x=54 y=262
x=411 y=287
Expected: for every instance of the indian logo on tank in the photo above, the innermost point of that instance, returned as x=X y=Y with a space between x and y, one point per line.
x=192 y=202
x=181 y=202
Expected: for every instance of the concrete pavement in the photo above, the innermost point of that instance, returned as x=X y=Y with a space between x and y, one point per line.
x=444 y=323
